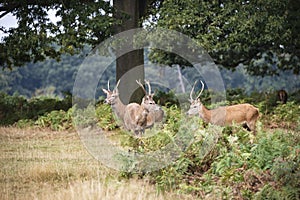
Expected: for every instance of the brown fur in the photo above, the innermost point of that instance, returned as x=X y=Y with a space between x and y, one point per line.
x=225 y=115
x=155 y=111
x=135 y=117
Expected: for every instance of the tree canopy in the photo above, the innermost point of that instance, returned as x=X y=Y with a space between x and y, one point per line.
x=37 y=37
x=261 y=34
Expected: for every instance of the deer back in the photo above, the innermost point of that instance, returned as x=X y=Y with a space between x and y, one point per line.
x=239 y=113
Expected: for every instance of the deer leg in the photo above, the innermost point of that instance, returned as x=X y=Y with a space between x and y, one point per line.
x=251 y=126
x=136 y=131
x=246 y=126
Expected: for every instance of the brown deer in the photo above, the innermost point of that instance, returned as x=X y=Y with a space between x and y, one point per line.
x=224 y=115
x=112 y=98
x=282 y=96
x=155 y=110
x=135 y=117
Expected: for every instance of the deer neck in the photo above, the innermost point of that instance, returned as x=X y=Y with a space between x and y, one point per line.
x=205 y=114
x=119 y=108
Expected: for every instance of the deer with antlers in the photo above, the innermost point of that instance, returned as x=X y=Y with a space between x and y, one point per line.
x=135 y=117
x=224 y=115
x=155 y=110
x=112 y=98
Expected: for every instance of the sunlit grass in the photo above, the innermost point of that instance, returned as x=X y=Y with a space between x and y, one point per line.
x=43 y=164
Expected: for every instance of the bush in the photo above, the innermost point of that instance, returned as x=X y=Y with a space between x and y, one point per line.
x=165 y=99
x=105 y=117
x=57 y=120
x=286 y=116
x=226 y=164
x=15 y=108
x=12 y=108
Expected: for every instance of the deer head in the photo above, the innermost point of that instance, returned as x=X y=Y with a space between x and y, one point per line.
x=147 y=100
x=111 y=96
x=196 y=105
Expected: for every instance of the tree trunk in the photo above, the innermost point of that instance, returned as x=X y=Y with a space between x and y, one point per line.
x=130 y=66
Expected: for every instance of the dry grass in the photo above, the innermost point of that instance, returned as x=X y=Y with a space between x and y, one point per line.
x=42 y=164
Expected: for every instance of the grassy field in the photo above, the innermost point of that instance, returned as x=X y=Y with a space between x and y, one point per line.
x=44 y=164
x=39 y=162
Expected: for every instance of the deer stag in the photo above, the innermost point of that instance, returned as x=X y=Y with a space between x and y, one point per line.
x=225 y=115
x=140 y=117
x=282 y=96
x=155 y=110
x=135 y=117
x=112 y=98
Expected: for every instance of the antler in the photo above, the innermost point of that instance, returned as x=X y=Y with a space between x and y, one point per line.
x=108 y=85
x=201 y=89
x=149 y=86
x=116 y=87
x=140 y=84
x=191 y=94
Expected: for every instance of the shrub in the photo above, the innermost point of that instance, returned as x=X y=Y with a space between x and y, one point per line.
x=14 y=108
x=56 y=120
x=164 y=98
x=105 y=117
x=286 y=116
x=222 y=162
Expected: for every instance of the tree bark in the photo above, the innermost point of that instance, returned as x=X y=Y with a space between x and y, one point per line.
x=129 y=66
